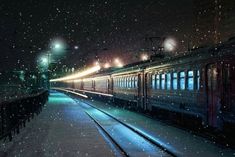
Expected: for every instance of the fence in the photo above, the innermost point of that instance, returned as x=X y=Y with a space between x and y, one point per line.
x=15 y=113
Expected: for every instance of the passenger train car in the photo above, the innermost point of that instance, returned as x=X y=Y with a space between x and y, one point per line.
x=200 y=84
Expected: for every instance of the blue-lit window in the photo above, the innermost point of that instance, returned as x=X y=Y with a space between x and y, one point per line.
x=122 y=82
x=124 y=85
x=136 y=81
x=182 y=80
x=198 y=79
x=168 y=81
x=175 y=81
x=157 y=82
x=163 y=81
x=153 y=81
x=190 y=80
x=130 y=81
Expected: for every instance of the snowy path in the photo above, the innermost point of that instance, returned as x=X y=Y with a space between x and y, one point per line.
x=62 y=129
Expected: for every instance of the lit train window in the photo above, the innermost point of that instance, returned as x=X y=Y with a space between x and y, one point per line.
x=168 y=81
x=175 y=81
x=118 y=82
x=121 y=82
x=163 y=81
x=157 y=82
x=130 y=80
x=198 y=79
x=153 y=81
x=136 y=81
x=182 y=80
x=133 y=82
x=190 y=80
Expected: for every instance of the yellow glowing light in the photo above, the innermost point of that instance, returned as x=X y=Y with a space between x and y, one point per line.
x=118 y=63
x=96 y=63
x=144 y=57
x=106 y=65
x=116 y=60
x=77 y=75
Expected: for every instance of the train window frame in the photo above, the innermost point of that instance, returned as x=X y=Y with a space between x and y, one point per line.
x=182 y=78
x=168 y=80
x=198 y=78
x=190 y=79
x=136 y=81
x=153 y=84
x=130 y=82
x=158 y=81
x=175 y=80
x=163 y=81
x=133 y=81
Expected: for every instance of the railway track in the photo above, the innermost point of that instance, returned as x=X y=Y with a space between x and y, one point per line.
x=129 y=140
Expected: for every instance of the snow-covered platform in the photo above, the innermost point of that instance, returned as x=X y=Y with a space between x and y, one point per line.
x=181 y=141
x=61 y=129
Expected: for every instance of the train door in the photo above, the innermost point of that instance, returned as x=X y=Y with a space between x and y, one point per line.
x=213 y=98
x=140 y=91
x=145 y=90
x=110 y=85
x=228 y=92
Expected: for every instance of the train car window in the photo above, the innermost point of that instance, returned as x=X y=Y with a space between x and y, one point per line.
x=198 y=79
x=133 y=82
x=129 y=82
x=136 y=81
x=168 y=81
x=174 y=81
x=153 y=81
x=190 y=80
x=157 y=82
x=182 y=80
x=118 y=82
x=163 y=81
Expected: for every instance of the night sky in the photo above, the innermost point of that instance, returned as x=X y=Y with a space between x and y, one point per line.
x=101 y=29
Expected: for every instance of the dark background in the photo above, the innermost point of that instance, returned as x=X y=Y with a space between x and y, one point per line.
x=106 y=29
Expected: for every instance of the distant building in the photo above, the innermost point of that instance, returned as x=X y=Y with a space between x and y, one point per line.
x=214 y=21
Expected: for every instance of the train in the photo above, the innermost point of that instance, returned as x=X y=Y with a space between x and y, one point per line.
x=198 y=84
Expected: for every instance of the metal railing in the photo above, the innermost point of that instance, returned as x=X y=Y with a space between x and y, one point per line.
x=15 y=113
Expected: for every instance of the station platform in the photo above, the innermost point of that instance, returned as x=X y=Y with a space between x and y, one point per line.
x=182 y=141
x=61 y=129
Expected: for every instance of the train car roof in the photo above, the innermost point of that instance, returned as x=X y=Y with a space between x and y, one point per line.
x=218 y=50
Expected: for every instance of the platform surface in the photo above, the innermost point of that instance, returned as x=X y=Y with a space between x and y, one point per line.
x=182 y=141
x=62 y=129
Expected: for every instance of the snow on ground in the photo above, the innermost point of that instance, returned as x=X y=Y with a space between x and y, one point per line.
x=181 y=140
x=62 y=129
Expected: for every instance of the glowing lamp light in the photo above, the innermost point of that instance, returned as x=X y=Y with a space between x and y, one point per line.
x=58 y=45
x=107 y=65
x=116 y=60
x=144 y=57
x=170 y=44
x=44 y=60
x=96 y=63
x=118 y=63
